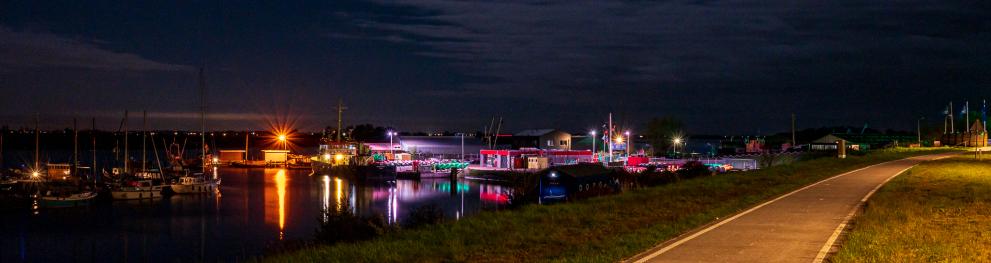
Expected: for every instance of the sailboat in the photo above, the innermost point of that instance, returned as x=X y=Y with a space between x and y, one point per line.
x=198 y=183
x=58 y=193
x=134 y=188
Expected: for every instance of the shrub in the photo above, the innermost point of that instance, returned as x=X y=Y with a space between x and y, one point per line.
x=424 y=215
x=345 y=226
x=693 y=169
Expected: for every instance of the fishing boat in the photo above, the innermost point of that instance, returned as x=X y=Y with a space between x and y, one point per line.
x=71 y=200
x=194 y=185
x=139 y=189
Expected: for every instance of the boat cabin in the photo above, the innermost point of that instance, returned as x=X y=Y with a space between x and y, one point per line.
x=570 y=182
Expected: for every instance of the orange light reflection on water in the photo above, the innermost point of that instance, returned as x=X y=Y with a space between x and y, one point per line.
x=280 y=186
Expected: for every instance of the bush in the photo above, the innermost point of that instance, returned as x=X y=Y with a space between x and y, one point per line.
x=655 y=178
x=345 y=226
x=693 y=169
x=424 y=215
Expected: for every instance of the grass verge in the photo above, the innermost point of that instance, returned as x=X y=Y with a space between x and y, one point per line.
x=603 y=229
x=939 y=211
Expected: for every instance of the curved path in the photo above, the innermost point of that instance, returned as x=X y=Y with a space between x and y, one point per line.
x=800 y=226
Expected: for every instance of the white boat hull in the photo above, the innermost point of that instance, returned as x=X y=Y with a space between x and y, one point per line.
x=137 y=193
x=82 y=199
x=193 y=188
x=134 y=195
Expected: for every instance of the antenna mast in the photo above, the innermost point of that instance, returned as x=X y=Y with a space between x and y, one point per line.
x=340 y=112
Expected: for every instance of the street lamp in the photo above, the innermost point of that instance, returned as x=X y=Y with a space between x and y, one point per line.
x=282 y=139
x=918 y=129
x=676 y=142
x=628 y=139
x=392 y=147
x=593 y=141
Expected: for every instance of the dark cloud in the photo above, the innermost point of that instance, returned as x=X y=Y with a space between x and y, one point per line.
x=33 y=50
x=723 y=66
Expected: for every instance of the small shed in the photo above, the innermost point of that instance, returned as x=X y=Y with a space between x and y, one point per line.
x=536 y=162
x=231 y=156
x=276 y=156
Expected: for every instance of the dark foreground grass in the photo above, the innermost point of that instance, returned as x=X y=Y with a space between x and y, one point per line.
x=936 y=212
x=601 y=229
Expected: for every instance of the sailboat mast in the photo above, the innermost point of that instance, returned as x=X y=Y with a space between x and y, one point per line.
x=144 y=139
x=37 y=144
x=203 y=148
x=93 y=136
x=75 y=147
x=126 y=158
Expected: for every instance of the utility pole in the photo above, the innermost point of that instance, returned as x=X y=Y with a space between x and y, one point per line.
x=952 y=120
x=462 y=146
x=340 y=112
x=793 y=142
x=918 y=129
x=609 y=135
x=246 y=134
x=966 y=120
x=495 y=141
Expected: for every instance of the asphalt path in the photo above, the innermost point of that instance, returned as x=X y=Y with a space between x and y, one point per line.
x=801 y=226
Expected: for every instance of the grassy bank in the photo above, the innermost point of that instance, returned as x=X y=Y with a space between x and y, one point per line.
x=601 y=229
x=937 y=212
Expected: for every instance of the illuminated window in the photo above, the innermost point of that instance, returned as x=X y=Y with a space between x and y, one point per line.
x=550 y=142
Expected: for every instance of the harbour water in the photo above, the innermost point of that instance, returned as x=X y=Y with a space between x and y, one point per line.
x=254 y=211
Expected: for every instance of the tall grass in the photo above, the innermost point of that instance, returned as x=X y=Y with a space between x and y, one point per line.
x=936 y=212
x=603 y=229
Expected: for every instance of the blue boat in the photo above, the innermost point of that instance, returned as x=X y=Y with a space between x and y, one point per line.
x=577 y=181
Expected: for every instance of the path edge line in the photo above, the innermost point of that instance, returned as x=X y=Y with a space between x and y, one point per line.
x=824 y=251
x=640 y=258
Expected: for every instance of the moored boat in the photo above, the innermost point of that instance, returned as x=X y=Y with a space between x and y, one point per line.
x=72 y=200
x=141 y=189
x=194 y=185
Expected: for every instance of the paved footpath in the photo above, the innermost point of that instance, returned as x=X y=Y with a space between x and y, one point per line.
x=800 y=226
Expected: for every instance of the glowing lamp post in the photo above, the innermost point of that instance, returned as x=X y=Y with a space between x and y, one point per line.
x=392 y=147
x=676 y=142
x=628 y=140
x=282 y=139
x=593 y=143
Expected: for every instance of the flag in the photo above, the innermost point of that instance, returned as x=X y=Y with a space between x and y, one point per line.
x=964 y=109
x=984 y=114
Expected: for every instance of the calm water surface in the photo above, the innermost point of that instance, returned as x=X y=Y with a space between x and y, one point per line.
x=255 y=209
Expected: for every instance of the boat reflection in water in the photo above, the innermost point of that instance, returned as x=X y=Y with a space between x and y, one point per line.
x=394 y=199
x=258 y=209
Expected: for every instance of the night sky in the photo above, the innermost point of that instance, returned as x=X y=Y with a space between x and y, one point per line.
x=721 y=66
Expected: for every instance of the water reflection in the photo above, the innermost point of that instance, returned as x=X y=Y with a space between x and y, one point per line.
x=338 y=193
x=275 y=199
x=259 y=209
